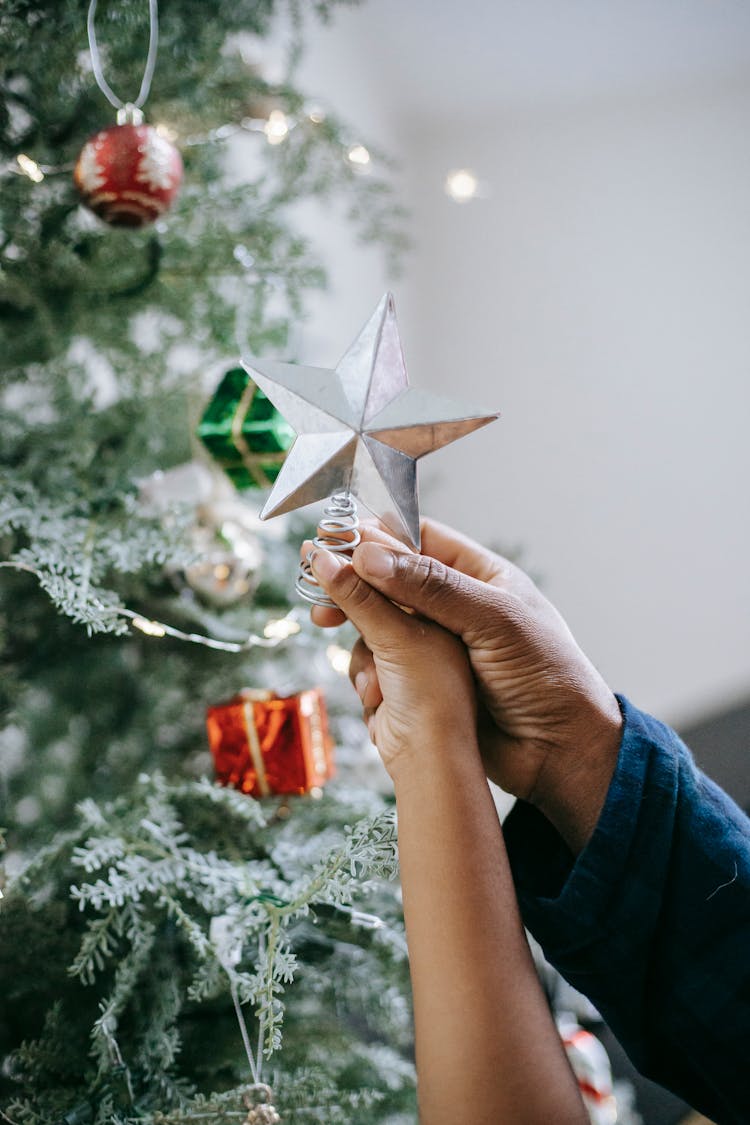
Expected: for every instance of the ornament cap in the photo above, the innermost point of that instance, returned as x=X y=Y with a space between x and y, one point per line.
x=258 y=1102
x=129 y=114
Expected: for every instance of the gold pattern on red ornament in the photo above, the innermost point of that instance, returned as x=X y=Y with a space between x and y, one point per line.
x=128 y=174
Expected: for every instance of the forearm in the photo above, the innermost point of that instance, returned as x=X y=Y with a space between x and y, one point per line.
x=487 y=1048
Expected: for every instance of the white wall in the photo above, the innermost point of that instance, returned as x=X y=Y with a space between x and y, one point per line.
x=335 y=71
x=599 y=299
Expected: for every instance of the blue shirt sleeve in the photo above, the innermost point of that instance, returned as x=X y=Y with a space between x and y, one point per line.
x=652 y=920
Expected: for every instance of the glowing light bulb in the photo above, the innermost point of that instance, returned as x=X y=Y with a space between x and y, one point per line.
x=316 y=114
x=359 y=156
x=339 y=658
x=150 y=628
x=276 y=128
x=281 y=629
x=30 y=167
x=461 y=185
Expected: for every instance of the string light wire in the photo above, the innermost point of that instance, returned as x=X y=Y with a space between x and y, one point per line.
x=277 y=630
x=148 y=73
x=160 y=629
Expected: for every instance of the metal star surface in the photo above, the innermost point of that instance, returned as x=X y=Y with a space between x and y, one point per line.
x=360 y=428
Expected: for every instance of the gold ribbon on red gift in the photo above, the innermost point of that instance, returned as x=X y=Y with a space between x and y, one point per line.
x=251 y=696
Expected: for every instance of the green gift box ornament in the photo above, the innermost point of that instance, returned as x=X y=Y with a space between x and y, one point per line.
x=244 y=432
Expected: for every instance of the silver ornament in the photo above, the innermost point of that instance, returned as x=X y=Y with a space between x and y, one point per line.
x=221 y=578
x=360 y=428
x=227 y=537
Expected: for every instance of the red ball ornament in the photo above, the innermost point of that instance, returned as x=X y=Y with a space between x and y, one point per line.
x=128 y=174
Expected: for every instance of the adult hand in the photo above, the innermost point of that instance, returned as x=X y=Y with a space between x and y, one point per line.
x=549 y=727
x=420 y=684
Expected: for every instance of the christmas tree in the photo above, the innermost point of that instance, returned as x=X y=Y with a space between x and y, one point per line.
x=169 y=947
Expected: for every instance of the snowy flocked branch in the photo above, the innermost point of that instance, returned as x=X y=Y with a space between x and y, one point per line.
x=72 y=555
x=144 y=871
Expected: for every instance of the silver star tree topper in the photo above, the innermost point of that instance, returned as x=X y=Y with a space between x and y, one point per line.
x=360 y=428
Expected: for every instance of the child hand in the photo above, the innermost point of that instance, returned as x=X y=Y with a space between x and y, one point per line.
x=420 y=695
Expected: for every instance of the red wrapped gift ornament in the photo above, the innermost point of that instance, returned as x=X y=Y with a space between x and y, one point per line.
x=263 y=743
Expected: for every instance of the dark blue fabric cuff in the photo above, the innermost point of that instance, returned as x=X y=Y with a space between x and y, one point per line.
x=567 y=901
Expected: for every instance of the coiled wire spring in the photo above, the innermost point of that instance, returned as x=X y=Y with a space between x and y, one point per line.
x=338 y=531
